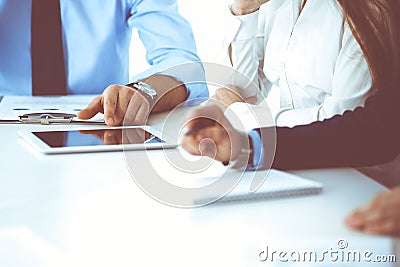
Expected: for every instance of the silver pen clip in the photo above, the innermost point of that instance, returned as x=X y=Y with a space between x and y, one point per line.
x=46 y=118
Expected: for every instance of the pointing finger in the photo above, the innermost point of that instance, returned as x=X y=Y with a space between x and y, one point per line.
x=110 y=99
x=92 y=109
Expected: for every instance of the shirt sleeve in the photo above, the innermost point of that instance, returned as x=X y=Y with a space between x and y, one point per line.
x=245 y=117
x=242 y=38
x=169 y=43
x=351 y=86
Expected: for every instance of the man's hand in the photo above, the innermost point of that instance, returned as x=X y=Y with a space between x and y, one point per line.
x=380 y=216
x=244 y=7
x=209 y=133
x=124 y=105
x=120 y=105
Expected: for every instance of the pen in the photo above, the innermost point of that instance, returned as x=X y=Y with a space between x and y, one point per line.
x=199 y=124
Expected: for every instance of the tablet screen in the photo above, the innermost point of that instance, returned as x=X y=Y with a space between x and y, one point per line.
x=57 y=139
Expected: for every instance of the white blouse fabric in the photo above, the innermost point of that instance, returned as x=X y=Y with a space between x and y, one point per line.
x=311 y=59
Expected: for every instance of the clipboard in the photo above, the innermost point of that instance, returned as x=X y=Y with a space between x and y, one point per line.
x=45 y=110
x=53 y=118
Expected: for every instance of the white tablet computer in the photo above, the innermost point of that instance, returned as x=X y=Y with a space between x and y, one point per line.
x=96 y=140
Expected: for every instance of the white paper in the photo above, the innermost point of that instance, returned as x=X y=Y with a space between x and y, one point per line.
x=181 y=169
x=11 y=107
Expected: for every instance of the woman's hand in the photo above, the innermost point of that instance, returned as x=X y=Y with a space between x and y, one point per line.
x=209 y=133
x=380 y=216
x=229 y=95
x=244 y=7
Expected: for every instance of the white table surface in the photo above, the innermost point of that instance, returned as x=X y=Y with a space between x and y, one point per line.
x=86 y=210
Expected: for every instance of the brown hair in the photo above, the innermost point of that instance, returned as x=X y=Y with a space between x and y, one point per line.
x=375 y=25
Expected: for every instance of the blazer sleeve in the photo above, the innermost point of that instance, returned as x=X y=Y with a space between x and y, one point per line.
x=363 y=137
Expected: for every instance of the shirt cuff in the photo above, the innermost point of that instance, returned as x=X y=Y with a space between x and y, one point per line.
x=258 y=151
x=288 y=117
x=245 y=117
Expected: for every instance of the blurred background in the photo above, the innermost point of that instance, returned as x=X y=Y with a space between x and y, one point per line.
x=204 y=16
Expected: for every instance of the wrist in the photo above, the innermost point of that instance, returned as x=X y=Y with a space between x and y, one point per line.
x=236 y=11
x=146 y=90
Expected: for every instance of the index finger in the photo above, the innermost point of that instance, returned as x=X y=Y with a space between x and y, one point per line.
x=110 y=99
x=92 y=109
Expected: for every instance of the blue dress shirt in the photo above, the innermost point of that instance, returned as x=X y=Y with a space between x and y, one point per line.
x=96 y=36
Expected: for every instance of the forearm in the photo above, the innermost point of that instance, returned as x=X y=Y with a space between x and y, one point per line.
x=170 y=92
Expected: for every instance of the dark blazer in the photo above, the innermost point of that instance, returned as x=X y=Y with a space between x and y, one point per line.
x=363 y=137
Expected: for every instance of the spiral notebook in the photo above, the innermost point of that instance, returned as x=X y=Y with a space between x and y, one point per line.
x=277 y=184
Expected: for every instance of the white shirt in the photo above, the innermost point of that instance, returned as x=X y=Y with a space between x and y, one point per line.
x=312 y=59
